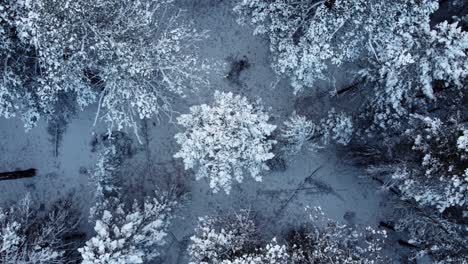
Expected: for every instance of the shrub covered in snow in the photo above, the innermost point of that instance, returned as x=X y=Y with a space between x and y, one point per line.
x=225 y=140
x=299 y=132
x=462 y=141
x=111 y=153
x=30 y=236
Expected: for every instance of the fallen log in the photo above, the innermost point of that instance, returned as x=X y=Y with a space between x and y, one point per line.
x=350 y=87
x=14 y=175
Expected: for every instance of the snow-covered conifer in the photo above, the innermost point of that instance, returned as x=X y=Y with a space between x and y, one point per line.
x=129 y=233
x=224 y=140
x=298 y=131
x=439 y=177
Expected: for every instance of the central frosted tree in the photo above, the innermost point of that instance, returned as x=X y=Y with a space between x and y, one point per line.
x=226 y=139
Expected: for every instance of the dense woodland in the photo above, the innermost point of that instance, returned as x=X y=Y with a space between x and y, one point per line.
x=393 y=74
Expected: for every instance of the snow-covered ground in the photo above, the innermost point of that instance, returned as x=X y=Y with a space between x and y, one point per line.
x=278 y=202
x=58 y=175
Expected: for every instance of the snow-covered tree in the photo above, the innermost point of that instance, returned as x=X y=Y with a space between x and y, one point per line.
x=414 y=67
x=14 y=67
x=220 y=238
x=271 y=253
x=299 y=132
x=126 y=232
x=129 y=234
x=337 y=127
x=225 y=139
x=234 y=240
x=434 y=172
x=327 y=241
x=127 y=55
x=432 y=234
x=307 y=35
x=30 y=236
x=425 y=165
x=390 y=43
x=438 y=177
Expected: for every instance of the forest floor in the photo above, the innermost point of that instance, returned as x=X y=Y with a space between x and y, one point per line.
x=278 y=202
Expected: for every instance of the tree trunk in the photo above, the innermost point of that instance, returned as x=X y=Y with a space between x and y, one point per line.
x=13 y=175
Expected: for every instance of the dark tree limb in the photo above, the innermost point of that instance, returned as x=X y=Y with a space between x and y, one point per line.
x=296 y=191
x=350 y=87
x=14 y=175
